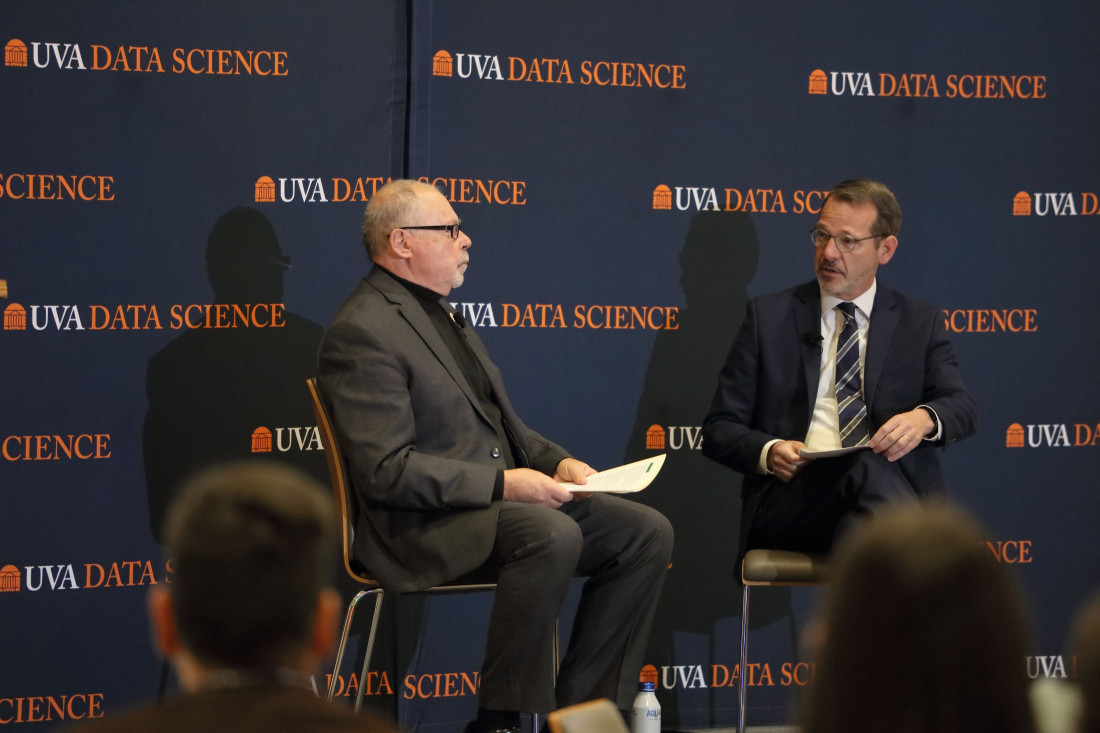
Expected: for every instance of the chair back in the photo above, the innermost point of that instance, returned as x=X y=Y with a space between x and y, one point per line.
x=594 y=716
x=338 y=476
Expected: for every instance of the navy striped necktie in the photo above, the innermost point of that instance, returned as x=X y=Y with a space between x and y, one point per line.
x=850 y=407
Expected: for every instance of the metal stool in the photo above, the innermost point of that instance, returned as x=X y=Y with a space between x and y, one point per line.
x=771 y=567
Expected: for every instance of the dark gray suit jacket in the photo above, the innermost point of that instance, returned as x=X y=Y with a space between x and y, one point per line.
x=768 y=385
x=423 y=456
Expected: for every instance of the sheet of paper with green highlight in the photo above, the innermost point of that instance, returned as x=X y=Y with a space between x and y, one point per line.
x=623 y=479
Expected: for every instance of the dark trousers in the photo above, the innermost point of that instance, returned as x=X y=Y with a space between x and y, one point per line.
x=825 y=500
x=623 y=548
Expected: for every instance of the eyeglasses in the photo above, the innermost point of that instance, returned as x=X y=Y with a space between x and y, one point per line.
x=451 y=229
x=844 y=242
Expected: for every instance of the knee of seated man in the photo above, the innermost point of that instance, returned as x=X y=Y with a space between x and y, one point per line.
x=562 y=547
x=661 y=533
x=664 y=531
x=653 y=533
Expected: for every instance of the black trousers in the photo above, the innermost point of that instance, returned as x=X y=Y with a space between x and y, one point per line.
x=623 y=548
x=825 y=500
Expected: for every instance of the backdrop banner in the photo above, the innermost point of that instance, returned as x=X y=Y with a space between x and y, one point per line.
x=180 y=198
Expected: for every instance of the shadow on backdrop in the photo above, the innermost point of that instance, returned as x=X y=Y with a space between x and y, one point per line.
x=701 y=498
x=210 y=389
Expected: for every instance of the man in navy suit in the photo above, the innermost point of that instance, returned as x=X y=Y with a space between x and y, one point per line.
x=776 y=403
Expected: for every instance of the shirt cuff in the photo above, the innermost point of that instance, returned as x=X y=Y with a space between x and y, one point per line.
x=937 y=433
x=762 y=466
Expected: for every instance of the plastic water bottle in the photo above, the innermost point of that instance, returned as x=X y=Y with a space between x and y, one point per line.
x=646 y=714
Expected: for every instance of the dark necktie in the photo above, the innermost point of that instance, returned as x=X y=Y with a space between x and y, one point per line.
x=850 y=406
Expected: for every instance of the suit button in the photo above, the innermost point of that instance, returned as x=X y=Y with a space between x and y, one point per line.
x=496 y=452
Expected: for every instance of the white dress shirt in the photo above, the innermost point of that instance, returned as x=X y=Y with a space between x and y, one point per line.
x=824 y=430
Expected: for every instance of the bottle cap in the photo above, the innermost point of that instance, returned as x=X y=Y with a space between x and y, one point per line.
x=646 y=687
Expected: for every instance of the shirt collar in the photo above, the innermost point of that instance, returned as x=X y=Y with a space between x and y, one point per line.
x=421 y=293
x=863 y=302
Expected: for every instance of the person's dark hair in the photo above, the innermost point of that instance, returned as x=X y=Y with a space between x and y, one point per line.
x=251 y=544
x=388 y=209
x=859 y=191
x=924 y=631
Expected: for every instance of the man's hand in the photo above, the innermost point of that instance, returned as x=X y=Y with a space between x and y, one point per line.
x=574 y=471
x=783 y=459
x=902 y=433
x=533 y=487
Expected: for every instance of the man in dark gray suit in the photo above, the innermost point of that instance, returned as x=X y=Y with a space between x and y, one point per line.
x=451 y=483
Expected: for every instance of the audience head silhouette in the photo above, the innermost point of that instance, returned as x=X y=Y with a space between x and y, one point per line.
x=923 y=631
x=252 y=545
x=1085 y=646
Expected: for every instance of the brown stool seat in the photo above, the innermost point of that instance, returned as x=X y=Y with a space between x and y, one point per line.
x=783 y=567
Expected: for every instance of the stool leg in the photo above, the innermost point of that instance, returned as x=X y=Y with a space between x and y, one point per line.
x=340 y=647
x=743 y=670
x=370 y=648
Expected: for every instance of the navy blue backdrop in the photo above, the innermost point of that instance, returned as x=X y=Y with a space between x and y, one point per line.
x=630 y=174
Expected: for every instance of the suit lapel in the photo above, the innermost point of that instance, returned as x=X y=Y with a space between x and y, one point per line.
x=880 y=333
x=414 y=315
x=807 y=322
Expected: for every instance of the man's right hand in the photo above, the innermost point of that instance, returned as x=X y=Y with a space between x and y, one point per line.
x=783 y=459
x=532 y=487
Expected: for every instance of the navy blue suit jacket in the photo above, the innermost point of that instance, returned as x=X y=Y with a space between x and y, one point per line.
x=768 y=385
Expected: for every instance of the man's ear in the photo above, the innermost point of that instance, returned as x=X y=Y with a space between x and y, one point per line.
x=399 y=244
x=162 y=622
x=886 y=249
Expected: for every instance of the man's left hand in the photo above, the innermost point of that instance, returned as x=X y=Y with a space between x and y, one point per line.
x=577 y=472
x=902 y=433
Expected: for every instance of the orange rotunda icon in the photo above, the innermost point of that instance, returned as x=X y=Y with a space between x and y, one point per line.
x=15 y=318
x=1021 y=204
x=442 y=64
x=261 y=440
x=655 y=438
x=819 y=83
x=265 y=190
x=15 y=53
x=10 y=579
x=662 y=198
x=1014 y=436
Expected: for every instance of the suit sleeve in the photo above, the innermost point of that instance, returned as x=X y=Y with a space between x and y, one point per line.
x=727 y=435
x=944 y=390
x=398 y=445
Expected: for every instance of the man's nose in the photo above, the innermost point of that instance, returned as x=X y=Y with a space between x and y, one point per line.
x=830 y=250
